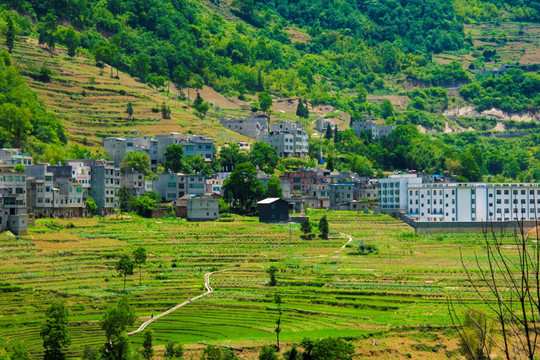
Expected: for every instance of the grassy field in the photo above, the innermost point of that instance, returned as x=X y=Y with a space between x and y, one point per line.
x=393 y=295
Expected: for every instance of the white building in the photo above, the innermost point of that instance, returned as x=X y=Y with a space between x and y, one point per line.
x=377 y=131
x=473 y=202
x=393 y=190
x=289 y=140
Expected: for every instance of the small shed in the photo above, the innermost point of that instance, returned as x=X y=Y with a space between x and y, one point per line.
x=273 y=210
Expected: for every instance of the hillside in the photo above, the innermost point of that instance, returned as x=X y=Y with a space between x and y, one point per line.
x=93 y=105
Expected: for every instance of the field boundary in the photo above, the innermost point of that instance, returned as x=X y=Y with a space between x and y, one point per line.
x=188 y=301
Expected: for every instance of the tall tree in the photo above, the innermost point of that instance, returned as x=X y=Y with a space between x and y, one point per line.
x=230 y=156
x=242 y=189
x=115 y=322
x=305 y=226
x=129 y=110
x=136 y=162
x=274 y=189
x=173 y=157
x=272 y=270
x=55 y=333
x=124 y=266
x=124 y=198
x=387 y=110
x=268 y=353
x=139 y=255
x=147 y=350
x=265 y=101
x=329 y=133
x=264 y=156
x=71 y=38
x=278 y=301
x=323 y=227
x=10 y=32
x=47 y=30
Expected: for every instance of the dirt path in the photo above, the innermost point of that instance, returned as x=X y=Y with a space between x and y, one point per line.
x=208 y=291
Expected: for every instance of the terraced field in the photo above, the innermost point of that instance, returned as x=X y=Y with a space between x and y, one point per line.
x=326 y=292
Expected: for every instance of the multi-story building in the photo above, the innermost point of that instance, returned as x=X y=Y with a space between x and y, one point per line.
x=321 y=124
x=253 y=127
x=473 y=202
x=340 y=194
x=289 y=140
x=213 y=185
x=13 y=214
x=377 y=131
x=202 y=208
x=104 y=182
x=118 y=147
x=366 y=191
x=174 y=186
x=134 y=182
x=192 y=145
x=11 y=157
x=302 y=182
x=393 y=190
x=81 y=172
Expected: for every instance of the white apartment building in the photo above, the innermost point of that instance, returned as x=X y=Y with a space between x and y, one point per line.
x=473 y=202
x=392 y=191
x=289 y=140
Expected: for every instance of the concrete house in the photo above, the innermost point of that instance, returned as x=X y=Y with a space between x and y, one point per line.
x=202 y=208
x=13 y=214
x=340 y=194
x=377 y=131
x=273 y=210
x=253 y=127
x=289 y=140
x=174 y=186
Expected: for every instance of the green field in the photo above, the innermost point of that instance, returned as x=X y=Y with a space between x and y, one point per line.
x=402 y=288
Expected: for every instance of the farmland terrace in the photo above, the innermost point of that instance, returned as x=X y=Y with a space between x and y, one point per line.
x=399 y=288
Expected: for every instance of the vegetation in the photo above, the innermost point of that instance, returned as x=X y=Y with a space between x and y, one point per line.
x=55 y=333
x=242 y=189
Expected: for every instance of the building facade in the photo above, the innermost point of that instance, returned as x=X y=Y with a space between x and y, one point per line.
x=473 y=202
x=393 y=191
x=377 y=131
x=288 y=139
x=253 y=127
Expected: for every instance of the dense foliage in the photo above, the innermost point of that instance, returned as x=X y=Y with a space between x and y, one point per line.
x=23 y=118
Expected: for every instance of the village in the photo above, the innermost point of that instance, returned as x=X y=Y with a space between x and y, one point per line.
x=428 y=202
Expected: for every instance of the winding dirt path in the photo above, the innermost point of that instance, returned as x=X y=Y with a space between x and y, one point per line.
x=208 y=291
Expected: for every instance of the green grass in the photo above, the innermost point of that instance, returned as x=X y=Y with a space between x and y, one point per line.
x=403 y=285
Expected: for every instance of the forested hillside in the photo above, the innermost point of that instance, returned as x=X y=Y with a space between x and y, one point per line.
x=341 y=54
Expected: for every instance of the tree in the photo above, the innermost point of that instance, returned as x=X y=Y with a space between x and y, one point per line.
x=476 y=335
x=264 y=156
x=180 y=78
x=136 y=162
x=330 y=163
x=273 y=188
x=165 y=111
x=139 y=256
x=19 y=168
x=115 y=322
x=323 y=227
x=302 y=110
x=278 y=301
x=212 y=352
x=305 y=226
x=129 y=110
x=505 y=281
x=17 y=120
x=10 y=32
x=292 y=354
x=265 y=101
x=91 y=205
x=173 y=157
x=327 y=349
x=140 y=64
x=230 y=156
x=387 y=110
x=243 y=189
x=124 y=266
x=201 y=108
x=54 y=332
x=144 y=205
x=329 y=133
x=268 y=353
x=244 y=8
x=47 y=30
x=124 y=198
x=272 y=270
x=147 y=350
x=71 y=39
x=173 y=350
x=19 y=352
